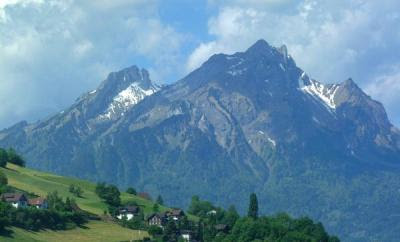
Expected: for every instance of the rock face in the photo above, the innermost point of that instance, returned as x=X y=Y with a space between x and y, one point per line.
x=242 y=123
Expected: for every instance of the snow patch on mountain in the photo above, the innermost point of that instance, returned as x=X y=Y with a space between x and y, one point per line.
x=127 y=98
x=323 y=93
x=233 y=69
x=273 y=142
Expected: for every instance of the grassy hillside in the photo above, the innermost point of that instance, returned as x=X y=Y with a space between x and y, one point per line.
x=41 y=183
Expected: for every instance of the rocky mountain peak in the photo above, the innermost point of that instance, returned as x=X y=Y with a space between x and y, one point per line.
x=259 y=46
x=123 y=89
x=122 y=79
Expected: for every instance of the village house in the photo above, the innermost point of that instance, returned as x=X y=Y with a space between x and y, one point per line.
x=175 y=214
x=39 y=202
x=129 y=212
x=17 y=200
x=212 y=212
x=157 y=219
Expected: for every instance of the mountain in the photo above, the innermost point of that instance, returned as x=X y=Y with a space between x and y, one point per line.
x=248 y=122
x=70 y=130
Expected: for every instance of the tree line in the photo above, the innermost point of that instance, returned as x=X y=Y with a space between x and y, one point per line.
x=10 y=156
x=220 y=225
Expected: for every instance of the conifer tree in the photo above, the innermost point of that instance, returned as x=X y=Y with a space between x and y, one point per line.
x=253 y=206
x=160 y=200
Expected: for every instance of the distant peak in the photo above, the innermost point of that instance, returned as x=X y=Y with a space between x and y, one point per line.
x=349 y=82
x=130 y=75
x=351 y=85
x=260 y=45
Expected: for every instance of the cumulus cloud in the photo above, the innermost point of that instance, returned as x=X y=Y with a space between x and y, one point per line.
x=331 y=40
x=386 y=88
x=51 y=51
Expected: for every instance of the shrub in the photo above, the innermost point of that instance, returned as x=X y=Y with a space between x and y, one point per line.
x=131 y=190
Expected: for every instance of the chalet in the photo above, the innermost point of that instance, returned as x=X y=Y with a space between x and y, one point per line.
x=17 y=200
x=157 y=219
x=175 y=214
x=38 y=203
x=129 y=212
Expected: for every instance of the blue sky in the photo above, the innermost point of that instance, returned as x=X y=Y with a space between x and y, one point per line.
x=52 y=51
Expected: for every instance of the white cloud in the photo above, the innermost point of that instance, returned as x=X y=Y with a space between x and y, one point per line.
x=8 y=3
x=81 y=49
x=386 y=88
x=51 y=51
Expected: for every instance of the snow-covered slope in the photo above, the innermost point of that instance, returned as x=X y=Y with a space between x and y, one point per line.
x=325 y=93
x=128 y=97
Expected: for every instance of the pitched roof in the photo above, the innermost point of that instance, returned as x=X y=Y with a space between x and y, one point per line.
x=176 y=212
x=129 y=209
x=13 y=197
x=37 y=201
x=159 y=215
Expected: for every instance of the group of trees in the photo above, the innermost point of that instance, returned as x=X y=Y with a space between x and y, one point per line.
x=3 y=180
x=4 y=183
x=10 y=156
x=76 y=190
x=217 y=224
x=111 y=195
x=159 y=202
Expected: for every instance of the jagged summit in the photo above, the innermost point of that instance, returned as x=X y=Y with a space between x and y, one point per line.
x=123 y=78
x=259 y=45
x=123 y=89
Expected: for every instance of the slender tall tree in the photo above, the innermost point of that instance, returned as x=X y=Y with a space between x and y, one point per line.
x=160 y=200
x=253 y=206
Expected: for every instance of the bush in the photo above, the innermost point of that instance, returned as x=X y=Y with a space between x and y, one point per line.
x=131 y=190
x=155 y=231
x=3 y=157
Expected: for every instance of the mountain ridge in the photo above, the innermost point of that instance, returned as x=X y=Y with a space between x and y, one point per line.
x=248 y=122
